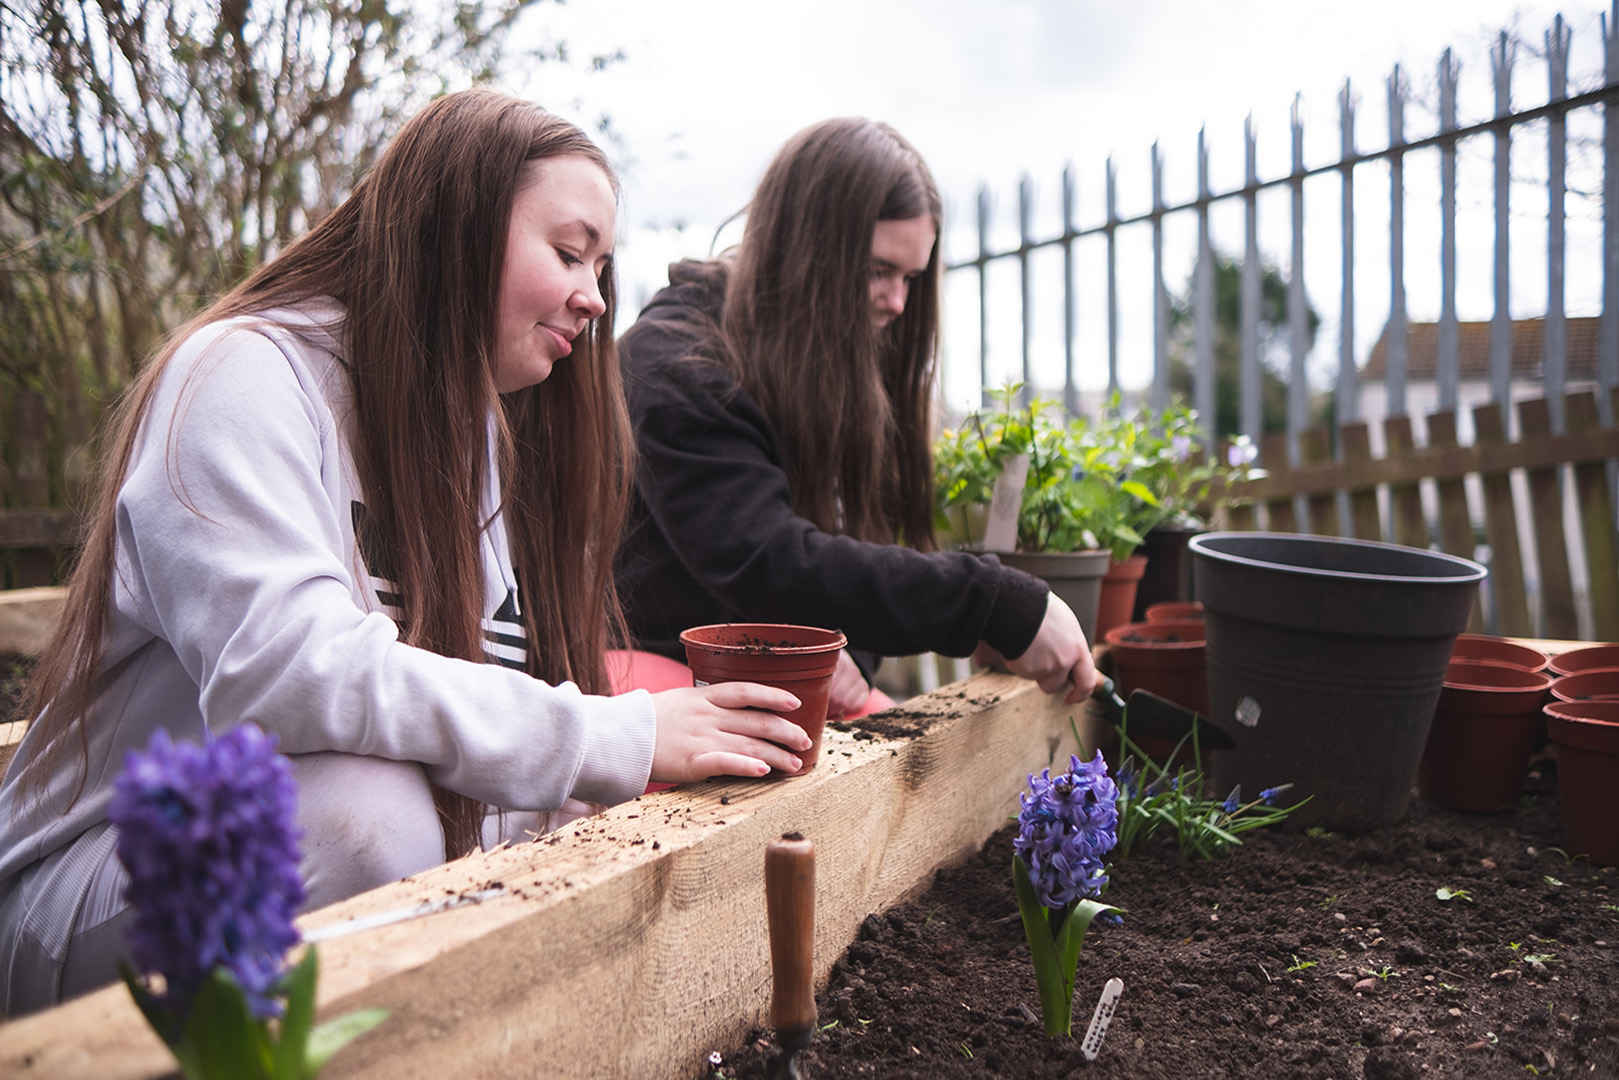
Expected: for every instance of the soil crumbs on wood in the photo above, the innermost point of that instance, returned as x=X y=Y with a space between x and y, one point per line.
x=1300 y=955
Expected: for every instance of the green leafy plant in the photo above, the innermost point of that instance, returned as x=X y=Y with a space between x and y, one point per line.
x=1454 y=894
x=1091 y=484
x=1385 y=973
x=1300 y=965
x=1151 y=798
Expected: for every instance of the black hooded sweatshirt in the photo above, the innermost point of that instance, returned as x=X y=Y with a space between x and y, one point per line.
x=714 y=538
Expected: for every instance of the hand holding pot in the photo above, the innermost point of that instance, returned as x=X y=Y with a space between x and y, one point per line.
x=1059 y=655
x=727 y=729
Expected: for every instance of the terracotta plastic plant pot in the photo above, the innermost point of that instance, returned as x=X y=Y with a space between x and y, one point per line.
x=1118 y=597
x=798 y=659
x=1326 y=657
x=1169 y=568
x=1482 y=734
x=1164 y=657
x=1586 y=735
x=1585 y=658
x=1175 y=611
x=1167 y=658
x=1075 y=576
x=1498 y=650
x=1593 y=684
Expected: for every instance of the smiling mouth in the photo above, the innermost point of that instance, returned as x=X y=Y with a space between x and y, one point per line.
x=564 y=343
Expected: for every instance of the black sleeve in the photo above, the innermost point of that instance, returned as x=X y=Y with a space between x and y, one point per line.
x=710 y=478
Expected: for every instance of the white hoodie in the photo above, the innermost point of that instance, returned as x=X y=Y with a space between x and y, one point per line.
x=241 y=594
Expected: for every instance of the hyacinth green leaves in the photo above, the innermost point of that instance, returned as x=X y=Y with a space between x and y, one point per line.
x=1065 y=828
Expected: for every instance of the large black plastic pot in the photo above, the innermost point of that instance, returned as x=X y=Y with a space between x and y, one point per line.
x=1326 y=658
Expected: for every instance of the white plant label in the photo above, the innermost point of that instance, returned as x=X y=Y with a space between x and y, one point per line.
x=1105 y=1005
x=1000 y=533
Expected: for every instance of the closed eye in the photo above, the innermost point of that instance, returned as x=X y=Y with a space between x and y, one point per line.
x=568 y=258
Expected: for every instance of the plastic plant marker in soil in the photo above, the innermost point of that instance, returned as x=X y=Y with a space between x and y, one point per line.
x=798 y=659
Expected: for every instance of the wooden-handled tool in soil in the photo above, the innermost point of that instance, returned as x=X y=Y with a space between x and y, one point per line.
x=790 y=906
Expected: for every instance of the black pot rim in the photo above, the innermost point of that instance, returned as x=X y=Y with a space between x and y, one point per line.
x=1466 y=571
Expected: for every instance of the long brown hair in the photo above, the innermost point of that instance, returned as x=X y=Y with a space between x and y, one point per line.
x=851 y=404
x=414 y=256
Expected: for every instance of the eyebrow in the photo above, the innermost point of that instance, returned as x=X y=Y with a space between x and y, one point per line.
x=884 y=264
x=590 y=230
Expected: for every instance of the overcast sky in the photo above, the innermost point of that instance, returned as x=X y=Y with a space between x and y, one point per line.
x=991 y=89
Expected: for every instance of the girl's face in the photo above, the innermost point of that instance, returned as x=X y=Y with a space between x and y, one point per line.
x=899 y=254
x=560 y=242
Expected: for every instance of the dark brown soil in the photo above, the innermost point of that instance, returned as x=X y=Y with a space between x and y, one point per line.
x=1300 y=955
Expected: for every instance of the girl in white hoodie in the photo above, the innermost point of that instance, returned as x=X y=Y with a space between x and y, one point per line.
x=369 y=501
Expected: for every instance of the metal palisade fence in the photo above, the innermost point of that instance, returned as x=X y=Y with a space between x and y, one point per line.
x=1502 y=132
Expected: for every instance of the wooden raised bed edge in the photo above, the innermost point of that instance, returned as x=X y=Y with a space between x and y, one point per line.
x=630 y=944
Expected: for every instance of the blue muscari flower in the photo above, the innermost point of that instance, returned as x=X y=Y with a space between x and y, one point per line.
x=1128 y=784
x=1233 y=800
x=1271 y=794
x=209 y=837
x=1066 y=826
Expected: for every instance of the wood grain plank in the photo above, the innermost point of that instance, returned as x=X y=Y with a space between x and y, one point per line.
x=1410 y=524
x=1365 y=521
x=1321 y=509
x=1507 y=589
x=1595 y=502
x=633 y=943
x=1557 y=619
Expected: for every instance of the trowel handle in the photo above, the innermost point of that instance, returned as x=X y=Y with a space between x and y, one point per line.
x=1105 y=693
x=790 y=905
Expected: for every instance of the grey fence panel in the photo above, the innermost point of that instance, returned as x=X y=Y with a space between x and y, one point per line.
x=1348 y=388
x=1447 y=142
x=1203 y=380
x=1554 y=357
x=1159 y=396
x=1298 y=384
x=1248 y=356
x=1608 y=350
x=1447 y=360
x=1501 y=320
x=1397 y=357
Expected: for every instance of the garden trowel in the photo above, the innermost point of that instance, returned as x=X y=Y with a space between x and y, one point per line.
x=790 y=909
x=1157 y=717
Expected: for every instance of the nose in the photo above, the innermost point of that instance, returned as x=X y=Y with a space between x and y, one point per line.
x=891 y=293
x=588 y=301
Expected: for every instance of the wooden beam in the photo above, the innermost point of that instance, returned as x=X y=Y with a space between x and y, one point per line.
x=40 y=528
x=28 y=617
x=631 y=944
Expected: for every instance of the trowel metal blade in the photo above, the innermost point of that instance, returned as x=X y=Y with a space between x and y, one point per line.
x=1156 y=716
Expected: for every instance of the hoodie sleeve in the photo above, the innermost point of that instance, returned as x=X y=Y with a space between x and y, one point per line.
x=232 y=549
x=711 y=478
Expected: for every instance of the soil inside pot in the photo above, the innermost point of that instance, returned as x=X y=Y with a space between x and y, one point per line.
x=1304 y=954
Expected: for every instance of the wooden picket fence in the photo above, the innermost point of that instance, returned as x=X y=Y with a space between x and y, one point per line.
x=1343 y=490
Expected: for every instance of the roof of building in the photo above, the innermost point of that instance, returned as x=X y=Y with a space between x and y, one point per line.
x=1473 y=351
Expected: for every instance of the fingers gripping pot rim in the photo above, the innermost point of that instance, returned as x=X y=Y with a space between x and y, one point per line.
x=798 y=659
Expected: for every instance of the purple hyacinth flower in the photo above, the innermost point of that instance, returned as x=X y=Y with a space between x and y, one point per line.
x=1066 y=826
x=209 y=837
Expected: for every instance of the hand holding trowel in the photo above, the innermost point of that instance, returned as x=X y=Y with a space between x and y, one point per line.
x=1158 y=717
